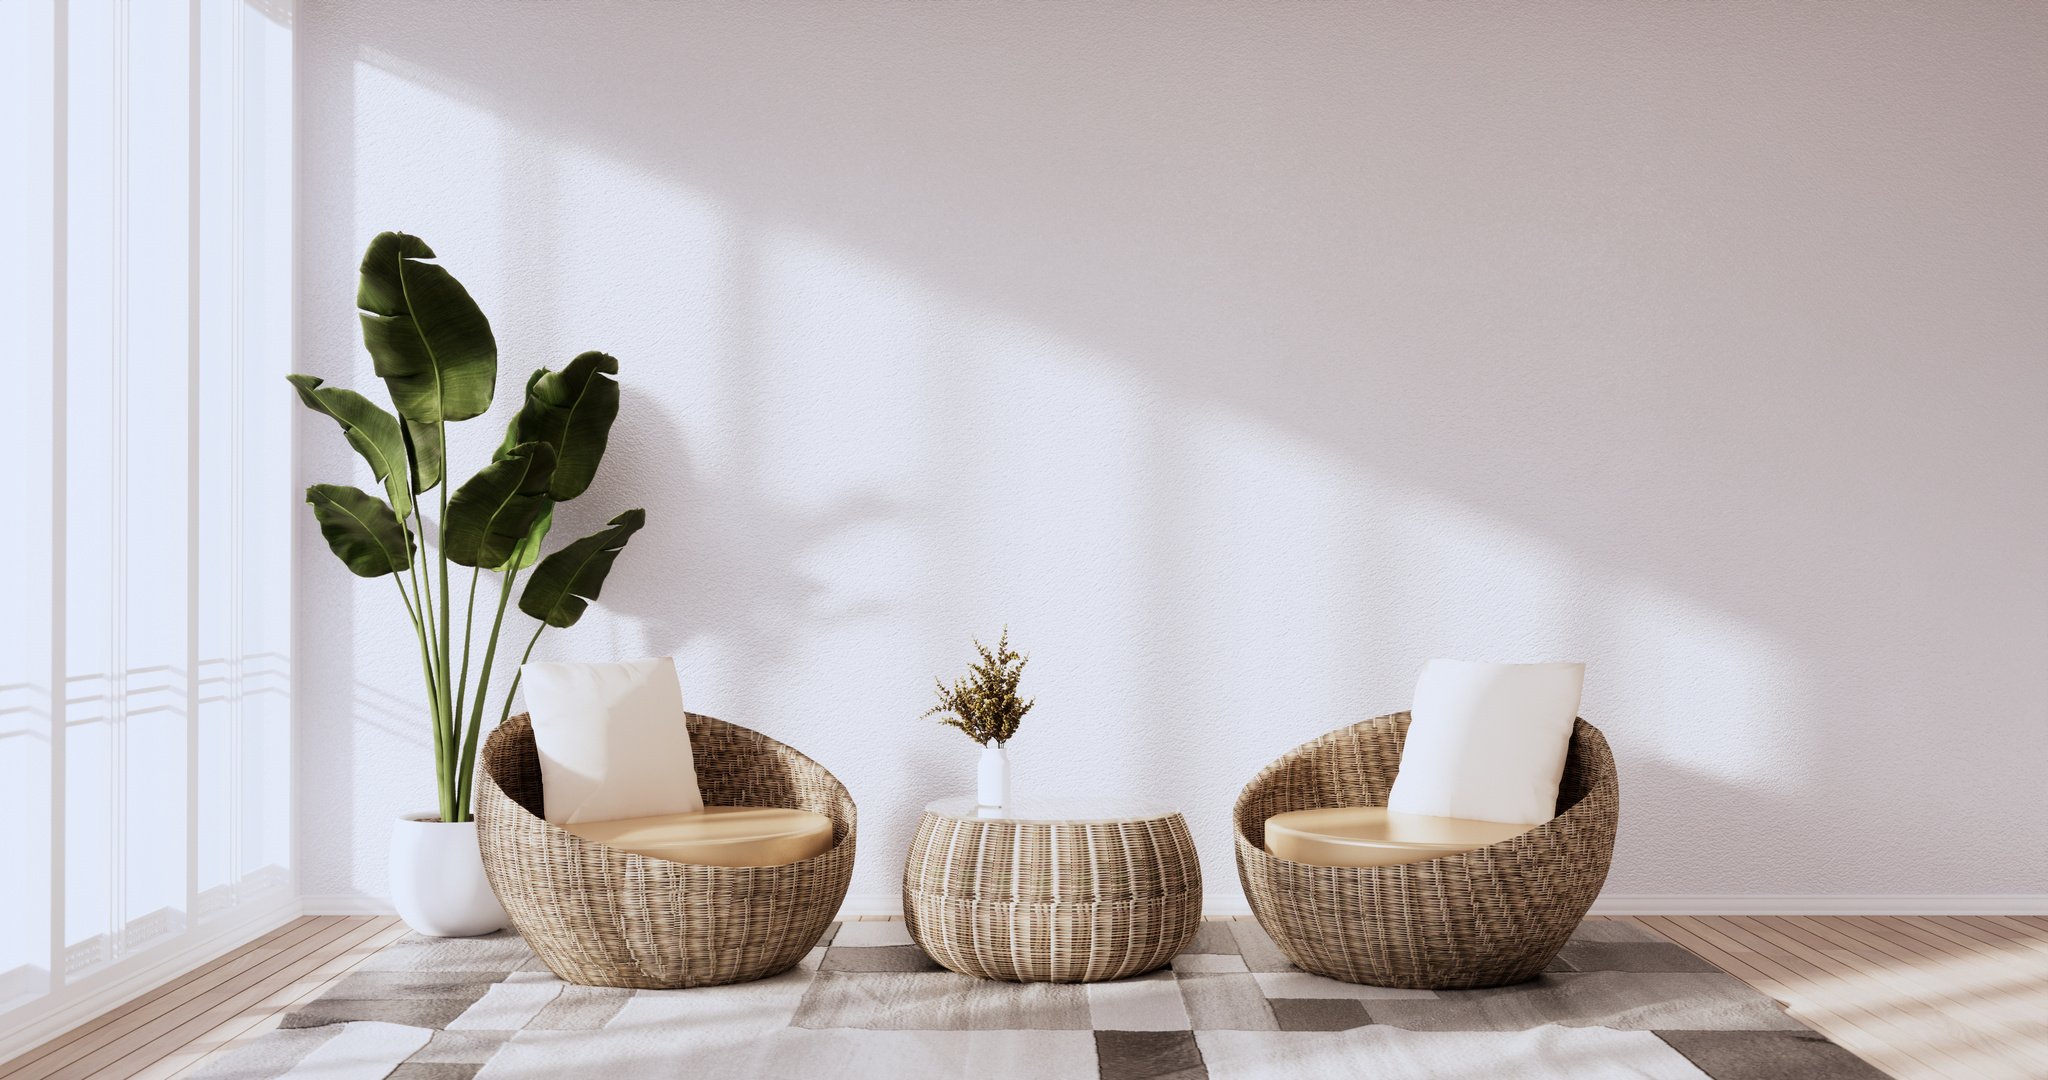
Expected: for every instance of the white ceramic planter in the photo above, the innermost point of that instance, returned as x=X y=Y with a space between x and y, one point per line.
x=992 y=780
x=437 y=878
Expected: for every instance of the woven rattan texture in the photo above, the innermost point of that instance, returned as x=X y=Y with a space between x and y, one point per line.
x=1488 y=917
x=604 y=917
x=1052 y=901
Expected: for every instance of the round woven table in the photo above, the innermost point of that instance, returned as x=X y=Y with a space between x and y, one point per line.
x=1052 y=892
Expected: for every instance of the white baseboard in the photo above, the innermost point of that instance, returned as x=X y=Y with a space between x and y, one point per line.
x=128 y=979
x=1233 y=903
x=1849 y=904
x=347 y=904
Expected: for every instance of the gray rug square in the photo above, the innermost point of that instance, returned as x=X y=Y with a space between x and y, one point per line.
x=580 y=1008
x=502 y=951
x=1624 y=1001
x=897 y=958
x=377 y=985
x=1258 y=949
x=940 y=1001
x=1213 y=937
x=1769 y=1055
x=412 y=1012
x=1612 y=930
x=1226 y=1002
x=1148 y=1055
x=435 y=1070
x=1319 y=1014
x=459 y=1048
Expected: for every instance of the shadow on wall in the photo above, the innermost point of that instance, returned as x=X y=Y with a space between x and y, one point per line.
x=1245 y=358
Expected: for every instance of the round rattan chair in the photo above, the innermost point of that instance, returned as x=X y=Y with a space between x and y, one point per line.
x=1488 y=917
x=604 y=917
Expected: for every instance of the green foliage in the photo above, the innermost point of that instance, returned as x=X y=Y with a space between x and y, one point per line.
x=565 y=582
x=984 y=703
x=489 y=516
x=431 y=344
x=435 y=352
x=372 y=431
x=362 y=531
x=423 y=442
x=572 y=411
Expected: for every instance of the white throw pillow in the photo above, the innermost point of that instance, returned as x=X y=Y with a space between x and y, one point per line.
x=612 y=740
x=1488 y=741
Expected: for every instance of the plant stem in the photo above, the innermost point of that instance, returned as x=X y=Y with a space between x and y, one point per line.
x=467 y=769
x=419 y=631
x=468 y=628
x=514 y=688
x=444 y=718
x=422 y=589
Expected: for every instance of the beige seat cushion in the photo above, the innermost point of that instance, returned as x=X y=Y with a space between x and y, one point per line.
x=717 y=836
x=1375 y=836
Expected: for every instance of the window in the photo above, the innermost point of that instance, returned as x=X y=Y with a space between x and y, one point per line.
x=145 y=660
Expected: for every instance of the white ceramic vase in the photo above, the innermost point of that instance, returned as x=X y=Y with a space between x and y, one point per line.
x=992 y=780
x=437 y=878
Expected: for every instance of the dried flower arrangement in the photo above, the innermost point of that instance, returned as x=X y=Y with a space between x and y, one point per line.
x=984 y=704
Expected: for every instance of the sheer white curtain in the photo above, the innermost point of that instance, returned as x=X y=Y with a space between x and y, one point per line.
x=145 y=661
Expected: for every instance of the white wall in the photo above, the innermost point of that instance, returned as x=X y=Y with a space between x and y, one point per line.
x=1240 y=358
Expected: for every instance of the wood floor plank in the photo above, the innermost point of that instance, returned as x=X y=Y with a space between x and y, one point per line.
x=1913 y=974
x=140 y=1049
x=2002 y=983
x=2012 y=929
x=1829 y=991
x=88 y=1038
x=1862 y=1035
x=88 y=1030
x=182 y=1013
x=1856 y=980
x=1868 y=1036
x=265 y=1015
x=1939 y=1038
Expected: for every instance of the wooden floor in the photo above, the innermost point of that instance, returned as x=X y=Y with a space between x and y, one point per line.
x=1961 y=998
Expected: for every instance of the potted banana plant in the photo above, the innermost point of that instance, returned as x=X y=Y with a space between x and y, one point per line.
x=434 y=350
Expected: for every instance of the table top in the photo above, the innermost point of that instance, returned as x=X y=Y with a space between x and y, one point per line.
x=1054 y=811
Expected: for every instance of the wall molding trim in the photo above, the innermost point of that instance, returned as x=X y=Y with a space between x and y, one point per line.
x=347 y=904
x=78 y=1002
x=1820 y=904
x=1233 y=903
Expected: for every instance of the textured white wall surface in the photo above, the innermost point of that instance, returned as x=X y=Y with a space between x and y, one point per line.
x=1241 y=358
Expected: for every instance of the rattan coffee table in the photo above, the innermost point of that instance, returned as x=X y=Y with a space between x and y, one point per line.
x=1077 y=891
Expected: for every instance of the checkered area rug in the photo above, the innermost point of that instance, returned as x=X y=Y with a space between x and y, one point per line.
x=1619 y=1002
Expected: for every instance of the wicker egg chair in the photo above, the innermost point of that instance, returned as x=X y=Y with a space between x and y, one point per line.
x=604 y=917
x=1488 y=917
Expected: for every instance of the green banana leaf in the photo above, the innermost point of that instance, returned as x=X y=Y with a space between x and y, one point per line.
x=564 y=583
x=571 y=410
x=431 y=344
x=490 y=516
x=423 y=443
x=361 y=529
x=528 y=551
x=372 y=431
x=512 y=436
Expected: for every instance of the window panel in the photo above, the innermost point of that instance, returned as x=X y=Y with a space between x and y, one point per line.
x=27 y=299
x=150 y=789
